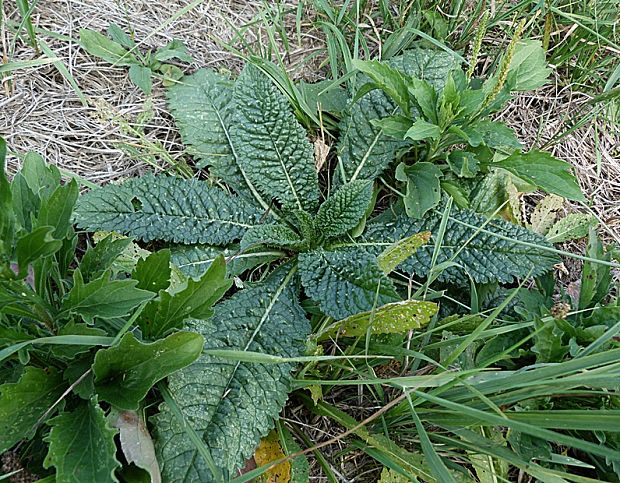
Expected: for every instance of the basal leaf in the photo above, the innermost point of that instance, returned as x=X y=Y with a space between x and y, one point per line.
x=41 y=178
x=345 y=281
x=399 y=251
x=431 y=65
x=101 y=46
x=493 y=253
x=421 y=130
x=174 y=50
x=167 y=208
x=545 y=213
x=102 y=298
x=344 y=209
x=495 y=135
x=202 y=105
x=7 y=218
x=273 y=148
x=388 y=79
x=125 y=373
x=81 y=446
x=153 y=272
x=543 y=170
x=423 y=188
x=394 y=318
x=528 y=67
x=271 y=236
x=232 y=404
x=23 y=403
x=195 y=300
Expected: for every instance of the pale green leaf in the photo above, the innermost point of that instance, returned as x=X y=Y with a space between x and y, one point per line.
x=141 y=77
x=572 y=227
x=101 y=46
x=545 y=213
x=421 y=130
x=398 y=252
x=528 y=67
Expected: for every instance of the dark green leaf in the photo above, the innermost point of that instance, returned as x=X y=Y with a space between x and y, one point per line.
x=25 y=203
x=125 y=373
x=195 y=300
x=495 y=134
x=463 y=163
x=273 y=147
x=421 y=130
x=167 y=208
x=344 y=209
x=42 y=179
x=394 y=126
x=388 y=79
x=81 y=446
x=345 y=282
x=56 y=210
x=101 y=257
x=73 y=328
x=153 y=272
x=232 y=404
x=32 y=246
x=271 y=236
x=423 y=188
x=7 y=218
x=23 y=403
x=118 y=35
x=102 y=298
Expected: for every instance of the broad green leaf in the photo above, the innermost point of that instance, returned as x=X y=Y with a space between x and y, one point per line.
x=174 y=50
x=34 y=245
x=394 y=126
x=42 y=179
x=426 y=98
x=57 y=209
x=153 y=272
x=332 y=100
x=81 y=446
x=494 y=192
x=344 y=209
x=399 y=251
x=141 y=77
x=25 y=203
x=273 y=148
x=102 y=256
x=101 y=46
x=573 y=226
x=167 y=208
x=543 y=170
x=136 y=442
x=548 y=345
x=423 y=188
x=102 y=298
x=125 y=373
x=195 y=300
x=528 y=67
x=271 y=236
x=345 y=281
x=488 y=251
x=463 y=163
x=388 y=79
x=421 y=130
x=495 y=134
x=545 y=213
x=394 y=318
x=23 y=403
x=232 y=404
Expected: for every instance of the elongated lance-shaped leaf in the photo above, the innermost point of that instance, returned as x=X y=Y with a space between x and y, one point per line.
x=81 y=445
x=394 y=318
x=202 y=105
x=273 y=148
x=232 y=404
x=167 y=208
x=364 y=150
x=272 y=236
x=498 y=251
x=345 y=281
x=398 y=252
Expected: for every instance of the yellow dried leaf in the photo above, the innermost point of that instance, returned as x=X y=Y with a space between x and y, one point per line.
x=268 y=451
